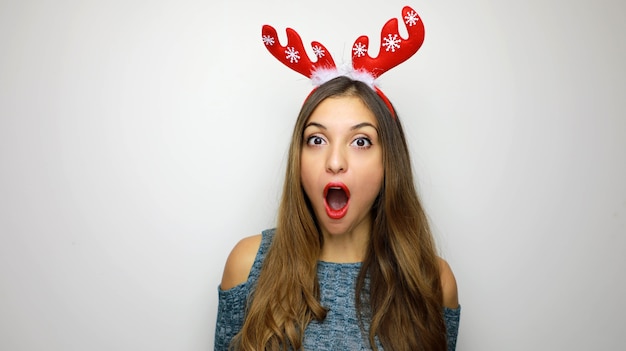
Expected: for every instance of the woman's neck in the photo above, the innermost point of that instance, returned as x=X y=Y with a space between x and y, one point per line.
x=349 y=247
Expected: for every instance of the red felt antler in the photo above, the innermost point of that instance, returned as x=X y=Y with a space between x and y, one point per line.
x=293 y=55
x=393 y=49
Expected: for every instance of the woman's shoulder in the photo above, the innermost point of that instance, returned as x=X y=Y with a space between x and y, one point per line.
x=240 y=261
x=448 y=285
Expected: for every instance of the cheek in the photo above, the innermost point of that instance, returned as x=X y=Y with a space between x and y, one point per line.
x=373 y=184
x=307 y=174
x=371 y=175
x=372 y=166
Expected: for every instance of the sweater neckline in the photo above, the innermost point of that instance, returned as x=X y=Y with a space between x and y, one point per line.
x=339 y=264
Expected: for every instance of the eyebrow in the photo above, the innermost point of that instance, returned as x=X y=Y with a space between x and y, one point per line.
x=354 y=127
x=363 y=125
x=315 y=124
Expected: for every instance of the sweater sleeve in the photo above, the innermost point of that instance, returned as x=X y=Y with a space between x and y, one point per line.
x=230 y=315
x=232 y=303
x=452 y=318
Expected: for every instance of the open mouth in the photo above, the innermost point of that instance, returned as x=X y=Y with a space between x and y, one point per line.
x=336 y=199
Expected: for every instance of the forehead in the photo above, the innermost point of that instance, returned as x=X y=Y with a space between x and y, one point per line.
x=342 y=110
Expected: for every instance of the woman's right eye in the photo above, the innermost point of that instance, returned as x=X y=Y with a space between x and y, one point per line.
x=315 y=140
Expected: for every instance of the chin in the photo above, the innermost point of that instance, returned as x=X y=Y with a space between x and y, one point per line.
x=338 y=227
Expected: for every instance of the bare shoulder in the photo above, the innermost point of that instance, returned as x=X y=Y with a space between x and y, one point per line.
x=448 y=285
x=240 y=261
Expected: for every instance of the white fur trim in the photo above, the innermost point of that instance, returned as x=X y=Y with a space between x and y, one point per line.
x=323 y=75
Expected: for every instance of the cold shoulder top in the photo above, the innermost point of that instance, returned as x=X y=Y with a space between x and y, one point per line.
x=338 y=331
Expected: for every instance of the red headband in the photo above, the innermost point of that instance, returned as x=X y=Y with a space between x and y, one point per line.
x=393 y=51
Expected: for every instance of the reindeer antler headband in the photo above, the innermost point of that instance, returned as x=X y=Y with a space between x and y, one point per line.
x=393 y=51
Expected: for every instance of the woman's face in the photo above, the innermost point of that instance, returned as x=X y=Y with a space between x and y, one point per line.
x=342 y=164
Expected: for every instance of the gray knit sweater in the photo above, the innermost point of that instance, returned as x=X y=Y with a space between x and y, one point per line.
x=338 y=331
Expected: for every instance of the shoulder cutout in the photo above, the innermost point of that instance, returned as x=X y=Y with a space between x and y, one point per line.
x=240 y=261
x=448 y=285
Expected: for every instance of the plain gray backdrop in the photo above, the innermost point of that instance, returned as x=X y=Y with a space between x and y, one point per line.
x=140 y=140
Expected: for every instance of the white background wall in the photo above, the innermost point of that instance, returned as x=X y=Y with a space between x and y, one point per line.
x=140 y=140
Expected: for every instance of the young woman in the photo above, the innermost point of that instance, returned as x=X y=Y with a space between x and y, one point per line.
x=351 y=264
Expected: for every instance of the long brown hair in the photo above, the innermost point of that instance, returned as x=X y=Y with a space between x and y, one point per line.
x=403 y=300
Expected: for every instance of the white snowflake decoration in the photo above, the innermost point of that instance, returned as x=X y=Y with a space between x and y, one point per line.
x=318 y=51
x=411 y=19
x=359 y=50
x=268 y=40
x=292 y=54
x=391 y=42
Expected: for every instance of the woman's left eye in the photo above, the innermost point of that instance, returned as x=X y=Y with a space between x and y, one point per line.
x=362 y=142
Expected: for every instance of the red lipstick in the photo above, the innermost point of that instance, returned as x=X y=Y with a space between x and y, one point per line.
x=336 y=200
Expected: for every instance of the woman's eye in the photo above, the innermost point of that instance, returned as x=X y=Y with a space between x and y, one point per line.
x=362 y=142
x=315 y=140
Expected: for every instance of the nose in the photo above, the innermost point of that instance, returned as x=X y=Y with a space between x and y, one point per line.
x=336 y=161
